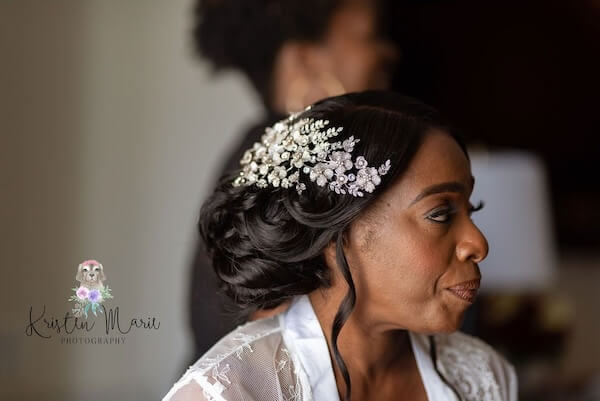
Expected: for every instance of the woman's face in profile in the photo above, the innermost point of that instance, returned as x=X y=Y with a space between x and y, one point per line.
x=414 y=253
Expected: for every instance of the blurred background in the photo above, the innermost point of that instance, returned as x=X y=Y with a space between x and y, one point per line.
x=113 y=131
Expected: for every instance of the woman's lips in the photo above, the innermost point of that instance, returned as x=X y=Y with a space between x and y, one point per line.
x=467 y=290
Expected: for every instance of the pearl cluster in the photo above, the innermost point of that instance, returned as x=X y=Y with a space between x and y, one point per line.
x=294 y=146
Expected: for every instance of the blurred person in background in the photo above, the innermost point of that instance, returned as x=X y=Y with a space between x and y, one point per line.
x=293 y=53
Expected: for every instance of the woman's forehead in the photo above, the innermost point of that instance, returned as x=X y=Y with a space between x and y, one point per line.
x=439 y=164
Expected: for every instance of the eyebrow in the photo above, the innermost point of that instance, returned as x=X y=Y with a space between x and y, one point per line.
x=453 y=186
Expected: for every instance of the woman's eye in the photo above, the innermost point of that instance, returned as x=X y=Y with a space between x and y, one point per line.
x=445 y=214
x=441 y=216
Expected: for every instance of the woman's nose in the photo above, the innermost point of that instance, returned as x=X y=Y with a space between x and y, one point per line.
x=472 y=245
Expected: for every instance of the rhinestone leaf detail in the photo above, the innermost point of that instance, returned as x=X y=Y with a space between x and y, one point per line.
x=295 y=149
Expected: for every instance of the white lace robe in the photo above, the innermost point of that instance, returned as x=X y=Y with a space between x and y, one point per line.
x=285 y=357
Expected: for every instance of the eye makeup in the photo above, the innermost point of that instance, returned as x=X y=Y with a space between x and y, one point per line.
x=477 y=208
x=444 y=214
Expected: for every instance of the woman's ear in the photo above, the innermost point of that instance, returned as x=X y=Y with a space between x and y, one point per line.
x=301 y=58
x=329 y=254
x=298 y=75
x=316 y=61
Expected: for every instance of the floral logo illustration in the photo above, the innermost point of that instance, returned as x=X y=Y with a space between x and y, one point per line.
x=91 y=291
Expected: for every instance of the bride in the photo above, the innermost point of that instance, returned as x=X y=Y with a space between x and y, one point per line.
x=356 y=212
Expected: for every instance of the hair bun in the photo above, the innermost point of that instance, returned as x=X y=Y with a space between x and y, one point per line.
x=258 y=250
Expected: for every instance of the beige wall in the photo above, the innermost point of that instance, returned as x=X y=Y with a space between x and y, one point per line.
x=109 y=133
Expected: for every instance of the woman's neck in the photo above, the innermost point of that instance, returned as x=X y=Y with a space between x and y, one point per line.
x=371 y=351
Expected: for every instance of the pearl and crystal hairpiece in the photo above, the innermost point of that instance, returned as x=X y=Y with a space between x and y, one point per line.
x=294 y=148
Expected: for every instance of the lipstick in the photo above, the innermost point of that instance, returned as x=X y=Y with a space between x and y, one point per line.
x=467 y=290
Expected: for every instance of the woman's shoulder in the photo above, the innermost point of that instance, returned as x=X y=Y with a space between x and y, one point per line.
x=478 y=370
x=238 y=363
x=240 y=340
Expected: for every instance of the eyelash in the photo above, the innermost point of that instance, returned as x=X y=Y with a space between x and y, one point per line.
x=450 y=211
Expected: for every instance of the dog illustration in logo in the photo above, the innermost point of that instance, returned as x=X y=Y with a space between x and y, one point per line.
x=91 y=292
x=90 y=274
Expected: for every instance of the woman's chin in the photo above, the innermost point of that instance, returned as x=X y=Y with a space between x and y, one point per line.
x=445 y=323
x=451 y=322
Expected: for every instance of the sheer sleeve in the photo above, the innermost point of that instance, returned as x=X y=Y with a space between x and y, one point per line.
x=252 y=363
x=188 y=392
x=191 y=387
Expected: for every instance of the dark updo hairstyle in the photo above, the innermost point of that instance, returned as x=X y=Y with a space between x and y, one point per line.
x=266 y=245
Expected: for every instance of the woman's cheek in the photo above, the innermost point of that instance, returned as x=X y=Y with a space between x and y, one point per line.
x=428 y=262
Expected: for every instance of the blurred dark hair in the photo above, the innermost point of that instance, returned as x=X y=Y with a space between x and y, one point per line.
x=248 y=34
x=266 y=245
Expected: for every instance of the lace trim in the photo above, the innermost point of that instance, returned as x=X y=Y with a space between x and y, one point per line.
x=466 y=363
x=193 y=374
x=293 y=390
x=217 y=372
x=206 y=395
x=245 y=344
